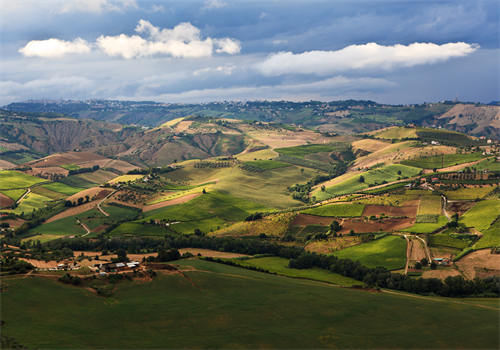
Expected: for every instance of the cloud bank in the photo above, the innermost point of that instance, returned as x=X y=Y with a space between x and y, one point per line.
x=367 y=56
x=53 y=48
x=184 y=41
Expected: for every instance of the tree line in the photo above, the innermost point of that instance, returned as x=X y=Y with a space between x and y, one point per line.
x=299 y=258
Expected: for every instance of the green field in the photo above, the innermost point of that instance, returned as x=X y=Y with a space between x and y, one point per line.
x=388 y=252
x=280 y=266
x=138 y=229
x=427 y=227
x=443 y=161
x=429 y=205
x=10 y=179
x=482 y=215
x=269 y=188
x=371 y=177
x=98 y=177
x=445 y=240
x=230 y=307
x=488 y=164
x=77 y=181
x=206 y=212
x=469 y=193
x=491 y=237
x=396 y=133
x=62 y=188
x=42 y=238
x=446 y=137
x=14 y=194
x=62 y=227
x=70 y=166
x=264 y=165
x=31 y=202
x=304 y=150
x=340 y=210
x=92 y=218
x=47 y=193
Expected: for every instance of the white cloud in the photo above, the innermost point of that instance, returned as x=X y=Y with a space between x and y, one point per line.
x=184 y=40
x=53 y=48
x=96 y=6
x=367 y=56
x=214 y=4
x=226 y=70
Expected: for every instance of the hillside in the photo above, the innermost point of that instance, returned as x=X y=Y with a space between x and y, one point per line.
x=473 y=119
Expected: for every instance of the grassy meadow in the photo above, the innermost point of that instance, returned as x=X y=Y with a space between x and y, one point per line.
x=268 y=188
x=427 y=227
x=11 y=179
x=367 y=179
x=490 y=238
x=280 y=266
x=236 y=308
x=443 y=161
x=469 y=193
x=482 y=215
x=62 y=188
x=388 y=252
x=207 y=212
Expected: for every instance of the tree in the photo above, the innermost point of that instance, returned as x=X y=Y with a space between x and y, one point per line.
x=198 y=232
x=424 y=262
x=168 y=255
x=433 y=265
x=418 y=265
x=323 y=188
x=335 y=226
x=204 y=191
x=122 y=255
x=362 y=179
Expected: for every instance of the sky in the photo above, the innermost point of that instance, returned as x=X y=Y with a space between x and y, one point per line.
x=388 y=51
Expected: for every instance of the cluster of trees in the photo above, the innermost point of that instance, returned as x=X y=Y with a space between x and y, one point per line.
x=253 y=217
x=84 y=170
x=380 y=277
x=301 y=191
x=12 y=265
x=165 y=255
x=214 y=165
x=79 y=201
x=69 y=279
x=156 y=170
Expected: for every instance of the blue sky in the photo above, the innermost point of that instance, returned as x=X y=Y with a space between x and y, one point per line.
x=212 y=50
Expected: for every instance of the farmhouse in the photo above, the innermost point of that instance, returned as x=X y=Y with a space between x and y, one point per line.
x=114 y=267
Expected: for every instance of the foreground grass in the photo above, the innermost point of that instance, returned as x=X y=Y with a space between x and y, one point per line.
x=388 y=252
x=230 y=307
x=280 y=266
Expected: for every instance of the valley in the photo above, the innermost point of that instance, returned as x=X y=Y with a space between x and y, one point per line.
x=220 y=210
